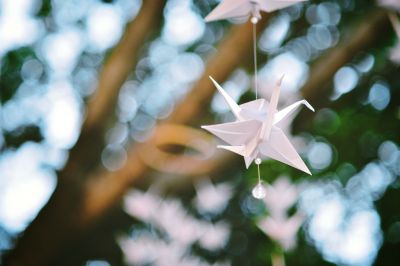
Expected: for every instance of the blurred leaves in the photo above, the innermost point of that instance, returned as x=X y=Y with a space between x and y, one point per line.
x=19 y=136
x=349 y=125
x=10 y=71
x=45 y=9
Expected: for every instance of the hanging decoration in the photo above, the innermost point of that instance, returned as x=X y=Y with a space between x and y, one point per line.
x=256 y=134
x=243 y=8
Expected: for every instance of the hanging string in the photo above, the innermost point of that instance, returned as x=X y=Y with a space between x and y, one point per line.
x=258 y=191
x=254 y=21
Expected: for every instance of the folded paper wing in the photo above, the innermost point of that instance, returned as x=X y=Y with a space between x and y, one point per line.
x=279 y=148
x=273 y=5
x=236 y=133
x=241 y=150
x=249 y=151
x=242 y=137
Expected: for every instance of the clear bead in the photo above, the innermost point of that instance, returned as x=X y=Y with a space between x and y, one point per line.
x=258 y=191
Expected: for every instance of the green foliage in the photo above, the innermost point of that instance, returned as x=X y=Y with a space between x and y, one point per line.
x=10 y=76
x=45 y=9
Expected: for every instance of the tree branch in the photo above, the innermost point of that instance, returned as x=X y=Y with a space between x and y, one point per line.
x=57 y=222
x=84 y=156
x=107 y=189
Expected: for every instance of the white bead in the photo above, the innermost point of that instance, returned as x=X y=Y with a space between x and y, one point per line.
x=258 y=191
x=254 y=20
x=258 y=161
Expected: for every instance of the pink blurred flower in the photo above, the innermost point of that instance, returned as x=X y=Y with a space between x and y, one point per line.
x=280 y=196
x=180 y=228
x=282 y=231
x=141 y=205
x=214 y=236
x=212 y=199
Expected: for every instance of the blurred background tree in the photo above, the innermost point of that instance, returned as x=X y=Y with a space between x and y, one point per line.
x=102 y=161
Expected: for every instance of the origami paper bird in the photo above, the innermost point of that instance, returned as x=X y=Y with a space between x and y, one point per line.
x=241 y=8
x=255 y=133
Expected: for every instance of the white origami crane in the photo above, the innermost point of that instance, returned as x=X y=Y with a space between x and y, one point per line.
x=241 y=8
x=255 y=133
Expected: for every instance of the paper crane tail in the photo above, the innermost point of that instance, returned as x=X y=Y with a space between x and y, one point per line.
x=279 y=148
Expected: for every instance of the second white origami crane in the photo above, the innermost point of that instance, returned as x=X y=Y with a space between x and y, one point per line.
x=256 y=132
x=241 y=8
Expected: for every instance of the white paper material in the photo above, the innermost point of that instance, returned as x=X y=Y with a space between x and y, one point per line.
x=394 y=53
x=242 y=8
x=255 y=133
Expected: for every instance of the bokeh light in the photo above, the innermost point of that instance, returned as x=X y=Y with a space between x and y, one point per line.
x=58 y=48
x=345 y=80
x=379 y=96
